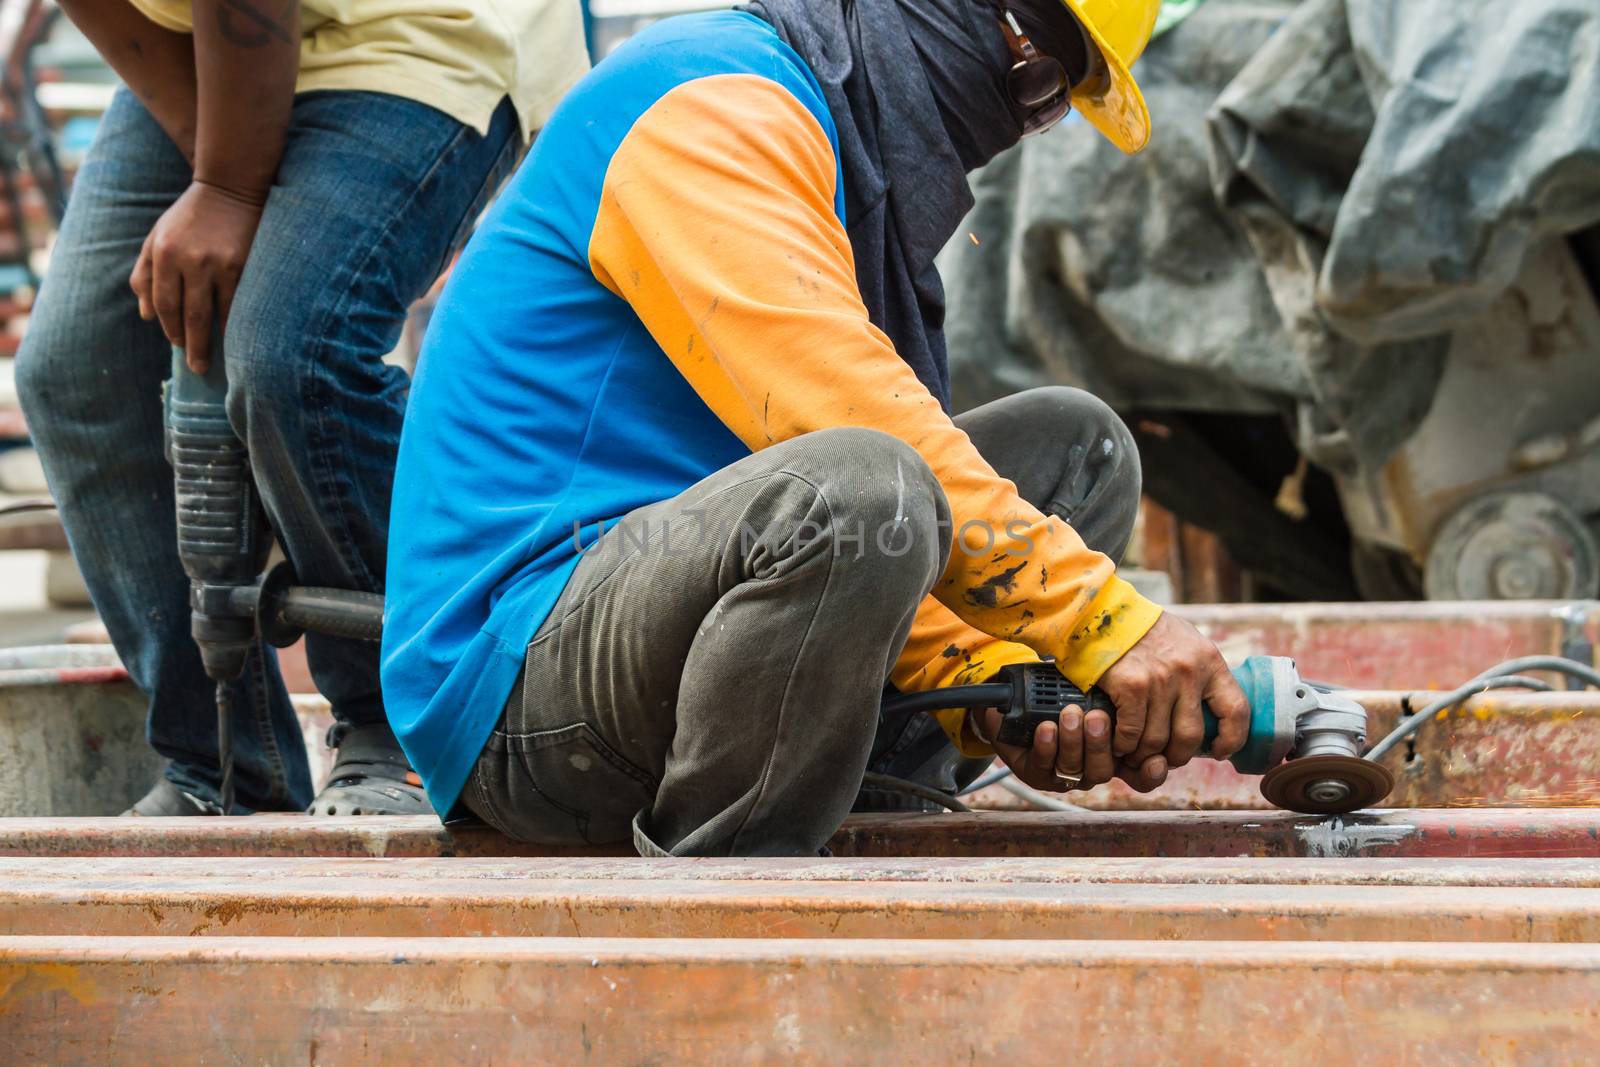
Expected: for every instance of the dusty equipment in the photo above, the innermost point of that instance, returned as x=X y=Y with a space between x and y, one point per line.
x=224 y=541
x=1413 y=317
x=1306 y=739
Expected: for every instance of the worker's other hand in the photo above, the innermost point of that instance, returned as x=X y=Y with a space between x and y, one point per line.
x=1158 y=686
x=190 y=265
x=1073 y=753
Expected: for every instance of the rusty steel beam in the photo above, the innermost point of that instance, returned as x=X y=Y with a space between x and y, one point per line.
x=1399 y=833
x=139 y=898
x=268 y=835
x=472 y=1001
x=1394 y=833
x=1424 y=645
x=1108 y=870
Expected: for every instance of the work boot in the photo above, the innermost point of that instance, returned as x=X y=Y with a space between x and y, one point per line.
x=371 y=776
x=166 y=799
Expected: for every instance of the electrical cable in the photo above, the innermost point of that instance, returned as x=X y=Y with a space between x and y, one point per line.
x=1500 y=676
x=1520 y=681
x=985 y=780
x=988 y=695
x=1005 y=779
x=1018 y=788
x=922 y=792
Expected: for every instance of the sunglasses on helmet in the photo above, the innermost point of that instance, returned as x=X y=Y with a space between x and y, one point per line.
x=1036 y=82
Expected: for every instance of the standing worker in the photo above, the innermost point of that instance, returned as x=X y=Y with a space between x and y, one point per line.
x=279 y=181
x=682 y=492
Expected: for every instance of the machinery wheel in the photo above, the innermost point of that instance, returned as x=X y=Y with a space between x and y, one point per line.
x=1513 y=546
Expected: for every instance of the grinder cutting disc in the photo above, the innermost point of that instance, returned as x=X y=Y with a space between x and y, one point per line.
x=1326 y=785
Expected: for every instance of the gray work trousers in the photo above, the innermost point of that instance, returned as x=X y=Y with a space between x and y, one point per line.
x=709 y=681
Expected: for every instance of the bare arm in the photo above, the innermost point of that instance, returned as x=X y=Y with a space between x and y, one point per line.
x=156 y=63
x=247 y=56
x=246 y=59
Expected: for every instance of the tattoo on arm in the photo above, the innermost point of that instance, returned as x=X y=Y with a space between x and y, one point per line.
x=247 y=26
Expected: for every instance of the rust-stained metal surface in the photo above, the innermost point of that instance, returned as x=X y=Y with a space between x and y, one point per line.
x=112 y=898
x=1498 y=750
x=557 y=1000
x=1110 y=870
x=1395 y=833
x=1422 y=645
x=1399 y=833
x=268 y=835
x=1401 y=935
x=1501 y=749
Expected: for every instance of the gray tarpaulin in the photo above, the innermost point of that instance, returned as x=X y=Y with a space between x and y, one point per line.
x=1120 y=273
x=1333 y=186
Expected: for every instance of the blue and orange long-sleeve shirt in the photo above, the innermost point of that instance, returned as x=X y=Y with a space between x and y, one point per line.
x=665 y=286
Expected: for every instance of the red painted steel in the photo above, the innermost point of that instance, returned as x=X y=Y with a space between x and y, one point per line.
x=558 y=1000
x=1424 y=645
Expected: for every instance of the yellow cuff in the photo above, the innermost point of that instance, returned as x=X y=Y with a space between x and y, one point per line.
x=1115 y=621
x=976 y=669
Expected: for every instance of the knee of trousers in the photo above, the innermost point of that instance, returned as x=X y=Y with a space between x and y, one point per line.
x=884 y=502
x=50 y=375
x=1061 y=412
x=268 y=351
x=33 y=380
x=285 y=361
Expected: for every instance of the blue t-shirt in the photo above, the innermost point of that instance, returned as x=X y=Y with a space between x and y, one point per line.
x=541 y=406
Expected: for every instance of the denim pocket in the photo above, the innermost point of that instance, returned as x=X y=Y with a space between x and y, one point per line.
x=563 y=786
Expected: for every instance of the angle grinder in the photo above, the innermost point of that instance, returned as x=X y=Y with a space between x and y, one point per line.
x=1305 y=740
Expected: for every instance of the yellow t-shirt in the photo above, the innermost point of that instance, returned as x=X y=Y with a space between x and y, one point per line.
x=460 y=56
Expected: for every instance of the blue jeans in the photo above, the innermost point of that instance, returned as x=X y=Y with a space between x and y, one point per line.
x=373 y=195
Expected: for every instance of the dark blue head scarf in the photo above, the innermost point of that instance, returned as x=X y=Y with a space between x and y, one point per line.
x=917 y=91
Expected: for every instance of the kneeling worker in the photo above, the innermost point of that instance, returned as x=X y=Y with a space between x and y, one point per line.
x=678 y=492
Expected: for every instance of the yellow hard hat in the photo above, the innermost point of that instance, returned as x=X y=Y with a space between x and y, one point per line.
x=1109 y=97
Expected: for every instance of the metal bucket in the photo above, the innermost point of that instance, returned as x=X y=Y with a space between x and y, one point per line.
x=72 y=737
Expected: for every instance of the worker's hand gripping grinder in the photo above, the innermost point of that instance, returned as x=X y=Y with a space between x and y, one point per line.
x=1306 y=740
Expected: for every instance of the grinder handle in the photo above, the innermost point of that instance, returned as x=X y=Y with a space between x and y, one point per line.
x=1039 y=693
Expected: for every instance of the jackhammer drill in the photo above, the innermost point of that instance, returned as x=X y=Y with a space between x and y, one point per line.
x=224 y=540
x=1305 y=739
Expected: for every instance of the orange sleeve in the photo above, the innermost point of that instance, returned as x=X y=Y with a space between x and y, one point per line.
x=943 y=651
x=717 y=225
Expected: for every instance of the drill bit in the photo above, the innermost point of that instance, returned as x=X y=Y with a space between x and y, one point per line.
x=225 y=745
